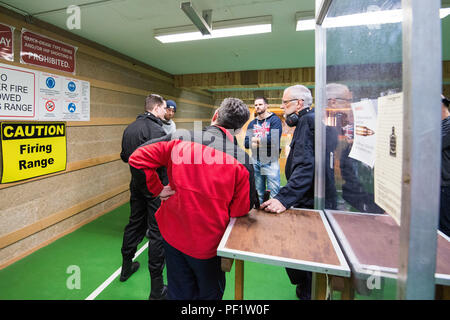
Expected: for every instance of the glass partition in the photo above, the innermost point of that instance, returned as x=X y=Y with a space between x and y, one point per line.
x=363 y=63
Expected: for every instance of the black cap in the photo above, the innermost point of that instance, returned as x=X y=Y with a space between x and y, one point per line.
x=445 y=101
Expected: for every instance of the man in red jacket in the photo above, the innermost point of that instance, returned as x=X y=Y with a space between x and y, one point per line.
x=210 y=180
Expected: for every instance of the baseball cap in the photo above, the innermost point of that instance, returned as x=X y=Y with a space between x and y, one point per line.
x=171 y=104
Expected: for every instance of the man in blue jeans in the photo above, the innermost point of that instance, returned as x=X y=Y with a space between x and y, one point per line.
x=263 y=137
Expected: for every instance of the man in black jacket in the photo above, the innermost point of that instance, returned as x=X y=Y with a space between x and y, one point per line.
x=444 y=216
x=299 y=170
x=147 y=126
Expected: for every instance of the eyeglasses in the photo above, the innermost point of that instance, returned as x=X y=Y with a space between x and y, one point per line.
x=342 y=99
x=286 y=102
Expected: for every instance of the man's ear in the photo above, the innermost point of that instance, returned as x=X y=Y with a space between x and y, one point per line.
x=215 y=116
x=301 y=103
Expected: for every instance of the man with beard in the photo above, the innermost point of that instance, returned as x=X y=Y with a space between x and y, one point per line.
x=263 y=137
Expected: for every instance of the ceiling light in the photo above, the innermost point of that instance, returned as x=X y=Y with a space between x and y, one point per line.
x=221 y=29
x=359 y=19
x=305 y=20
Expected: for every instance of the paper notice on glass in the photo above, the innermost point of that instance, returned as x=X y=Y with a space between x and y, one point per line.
x=365 y=118
x=388 y=159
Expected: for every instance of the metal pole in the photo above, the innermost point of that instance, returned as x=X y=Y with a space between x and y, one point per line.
x=320 y=103
x=322 y=10
x=422 y=83
x=319 y=131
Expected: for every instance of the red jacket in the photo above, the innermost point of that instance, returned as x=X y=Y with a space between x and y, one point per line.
x=213 y=181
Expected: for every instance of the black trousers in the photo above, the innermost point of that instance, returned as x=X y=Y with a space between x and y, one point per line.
x=302 y=279
x=142 y=217
x=444 y=216
x=189 y=278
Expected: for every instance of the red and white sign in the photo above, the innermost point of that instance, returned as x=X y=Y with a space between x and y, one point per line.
x=50 y=106
x=41 y=51
x=17 y=93
x=6 y=42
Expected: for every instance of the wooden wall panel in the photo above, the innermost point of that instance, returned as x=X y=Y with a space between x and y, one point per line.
x=92 y=142
x=28 y=203
x=22 y=248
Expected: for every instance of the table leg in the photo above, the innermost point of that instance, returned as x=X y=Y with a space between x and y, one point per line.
x=442 y=292
x=319 y=289
x=239 y=280
x=348 y=292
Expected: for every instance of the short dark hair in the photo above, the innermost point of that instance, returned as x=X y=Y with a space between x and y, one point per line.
x=263 y=98
x=446 y=101
x=232 y=114
x=152 y=101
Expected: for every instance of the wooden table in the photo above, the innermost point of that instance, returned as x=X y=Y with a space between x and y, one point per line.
x=297 y=238
x=371 y=242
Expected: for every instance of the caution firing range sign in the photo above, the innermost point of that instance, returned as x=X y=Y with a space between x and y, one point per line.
x=32 y=149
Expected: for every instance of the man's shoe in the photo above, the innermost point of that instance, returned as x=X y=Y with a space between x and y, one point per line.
x=128 y=269
x=302 y=294
x=158 y=289
x=162 y=296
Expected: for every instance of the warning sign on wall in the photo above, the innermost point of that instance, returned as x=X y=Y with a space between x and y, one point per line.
x=32 y=149
x=6 y=42
x=17 y=93
x=42 y=51
x=32 y=95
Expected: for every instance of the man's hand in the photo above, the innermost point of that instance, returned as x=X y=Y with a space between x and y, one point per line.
x=273 y=205
x=166 y=193
x=255 y=142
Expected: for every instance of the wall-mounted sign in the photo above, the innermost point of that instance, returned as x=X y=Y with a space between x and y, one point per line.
x=32 y=95
x=42 y=51
x=6 y=42
x=17 y=93
x=32 y=149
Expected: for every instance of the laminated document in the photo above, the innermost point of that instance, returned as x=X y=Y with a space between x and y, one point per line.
x=389 y=151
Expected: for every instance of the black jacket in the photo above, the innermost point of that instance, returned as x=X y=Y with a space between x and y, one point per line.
x=144 y=128
x=299 y=190
x=445 y=165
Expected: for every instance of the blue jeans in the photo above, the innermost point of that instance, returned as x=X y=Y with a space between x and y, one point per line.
x=189 y=278
x=270 y=173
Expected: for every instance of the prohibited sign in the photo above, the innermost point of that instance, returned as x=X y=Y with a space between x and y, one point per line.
x=50 y=105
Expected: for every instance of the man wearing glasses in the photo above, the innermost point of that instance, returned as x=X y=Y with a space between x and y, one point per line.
x=299 y=189
x=147 y=126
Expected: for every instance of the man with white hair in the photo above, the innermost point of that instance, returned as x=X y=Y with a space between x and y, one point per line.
x=299 y=189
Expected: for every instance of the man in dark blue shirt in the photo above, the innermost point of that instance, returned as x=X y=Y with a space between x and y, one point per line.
x=263 y=137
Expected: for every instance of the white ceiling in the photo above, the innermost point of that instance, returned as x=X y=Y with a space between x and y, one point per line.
x=127 y=27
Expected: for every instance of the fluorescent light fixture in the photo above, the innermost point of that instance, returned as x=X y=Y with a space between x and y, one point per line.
x=305 y=20
x=221 y=29
x=359 y=19
x=203 y=23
